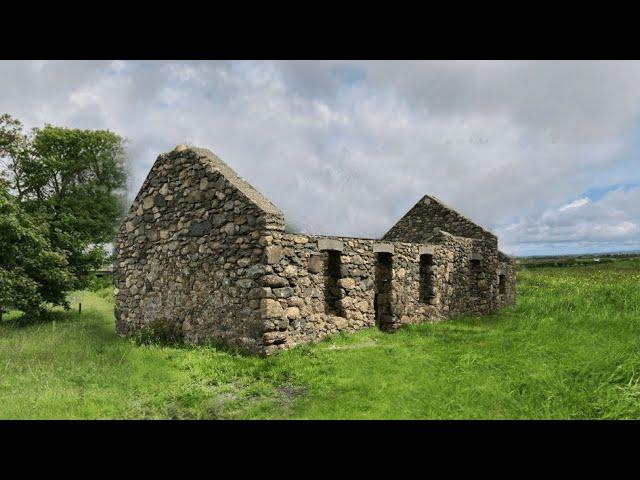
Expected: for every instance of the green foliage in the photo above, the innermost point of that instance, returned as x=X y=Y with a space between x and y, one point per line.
x=103 y=287
x=75 y=176
x=31 y=271
x=71 y=180
x=570 y=349
x=100 y=283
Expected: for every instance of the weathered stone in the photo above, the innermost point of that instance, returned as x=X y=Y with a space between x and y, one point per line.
x=291 y=271
x=260 y=292
x=363 y=306
x=274 y=338
x=292 y=313
x=271 y=308
x=200 y=228
x=283 y=292
x=243 y=262
x=229 y=228
x=273 y=254
x=159 y=201
x=152 y=235
x=255 y=271
x=346 y=283
x=339 y=322
x=245 y=283
x=274 y=281
x=316 y=264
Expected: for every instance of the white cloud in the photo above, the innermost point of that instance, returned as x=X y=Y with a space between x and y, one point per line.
x=348 y=147
x=613 y=221
x=581 y=202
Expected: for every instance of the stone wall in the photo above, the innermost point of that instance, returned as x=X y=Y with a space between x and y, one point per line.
x=299 y=287
x=430 y=214
x=189 y=253
x=466 y=275
x=303 y=300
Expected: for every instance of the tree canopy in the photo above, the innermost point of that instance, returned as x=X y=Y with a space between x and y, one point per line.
x=32 y=272
x=68 y=183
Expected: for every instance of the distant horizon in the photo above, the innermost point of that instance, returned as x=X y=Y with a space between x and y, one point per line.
x=617 y=252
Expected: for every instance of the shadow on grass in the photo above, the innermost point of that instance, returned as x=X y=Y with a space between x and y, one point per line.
x=162 y=335
x=23 y=320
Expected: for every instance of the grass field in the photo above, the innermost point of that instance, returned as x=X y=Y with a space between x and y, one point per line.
x=570 y=349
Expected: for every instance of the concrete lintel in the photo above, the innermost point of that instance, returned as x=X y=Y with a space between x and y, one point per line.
x=383 y=248
x=330 y=244
x=425 y=250
x=475 y=256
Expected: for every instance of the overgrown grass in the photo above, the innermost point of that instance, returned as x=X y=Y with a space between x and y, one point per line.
x=570 y=349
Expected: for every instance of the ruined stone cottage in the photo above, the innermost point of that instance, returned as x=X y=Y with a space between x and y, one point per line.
x=205 y=254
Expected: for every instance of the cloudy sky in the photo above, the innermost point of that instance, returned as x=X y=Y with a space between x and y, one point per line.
x=544 y=154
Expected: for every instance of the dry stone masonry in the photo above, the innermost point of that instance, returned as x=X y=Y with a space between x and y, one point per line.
x=205 y=255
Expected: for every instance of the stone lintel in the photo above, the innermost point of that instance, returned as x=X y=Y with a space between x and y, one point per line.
x=383 y=248
x=425 y=250
x=502 y=271
x=330 y=244
x=475 y=256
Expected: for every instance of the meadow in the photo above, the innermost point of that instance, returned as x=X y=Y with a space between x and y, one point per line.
x=569 y=349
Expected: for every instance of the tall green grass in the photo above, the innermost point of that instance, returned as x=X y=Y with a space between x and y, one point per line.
x=570 y=349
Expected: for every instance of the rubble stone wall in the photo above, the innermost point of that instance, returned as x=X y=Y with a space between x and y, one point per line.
x=304 y=301
x=429 y=215
x=297 y=287
x=189 y=254
x=466 y=275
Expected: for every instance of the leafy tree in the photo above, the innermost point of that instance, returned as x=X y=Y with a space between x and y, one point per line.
x=74 y=181
x=14 y=144
x=31 y=271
